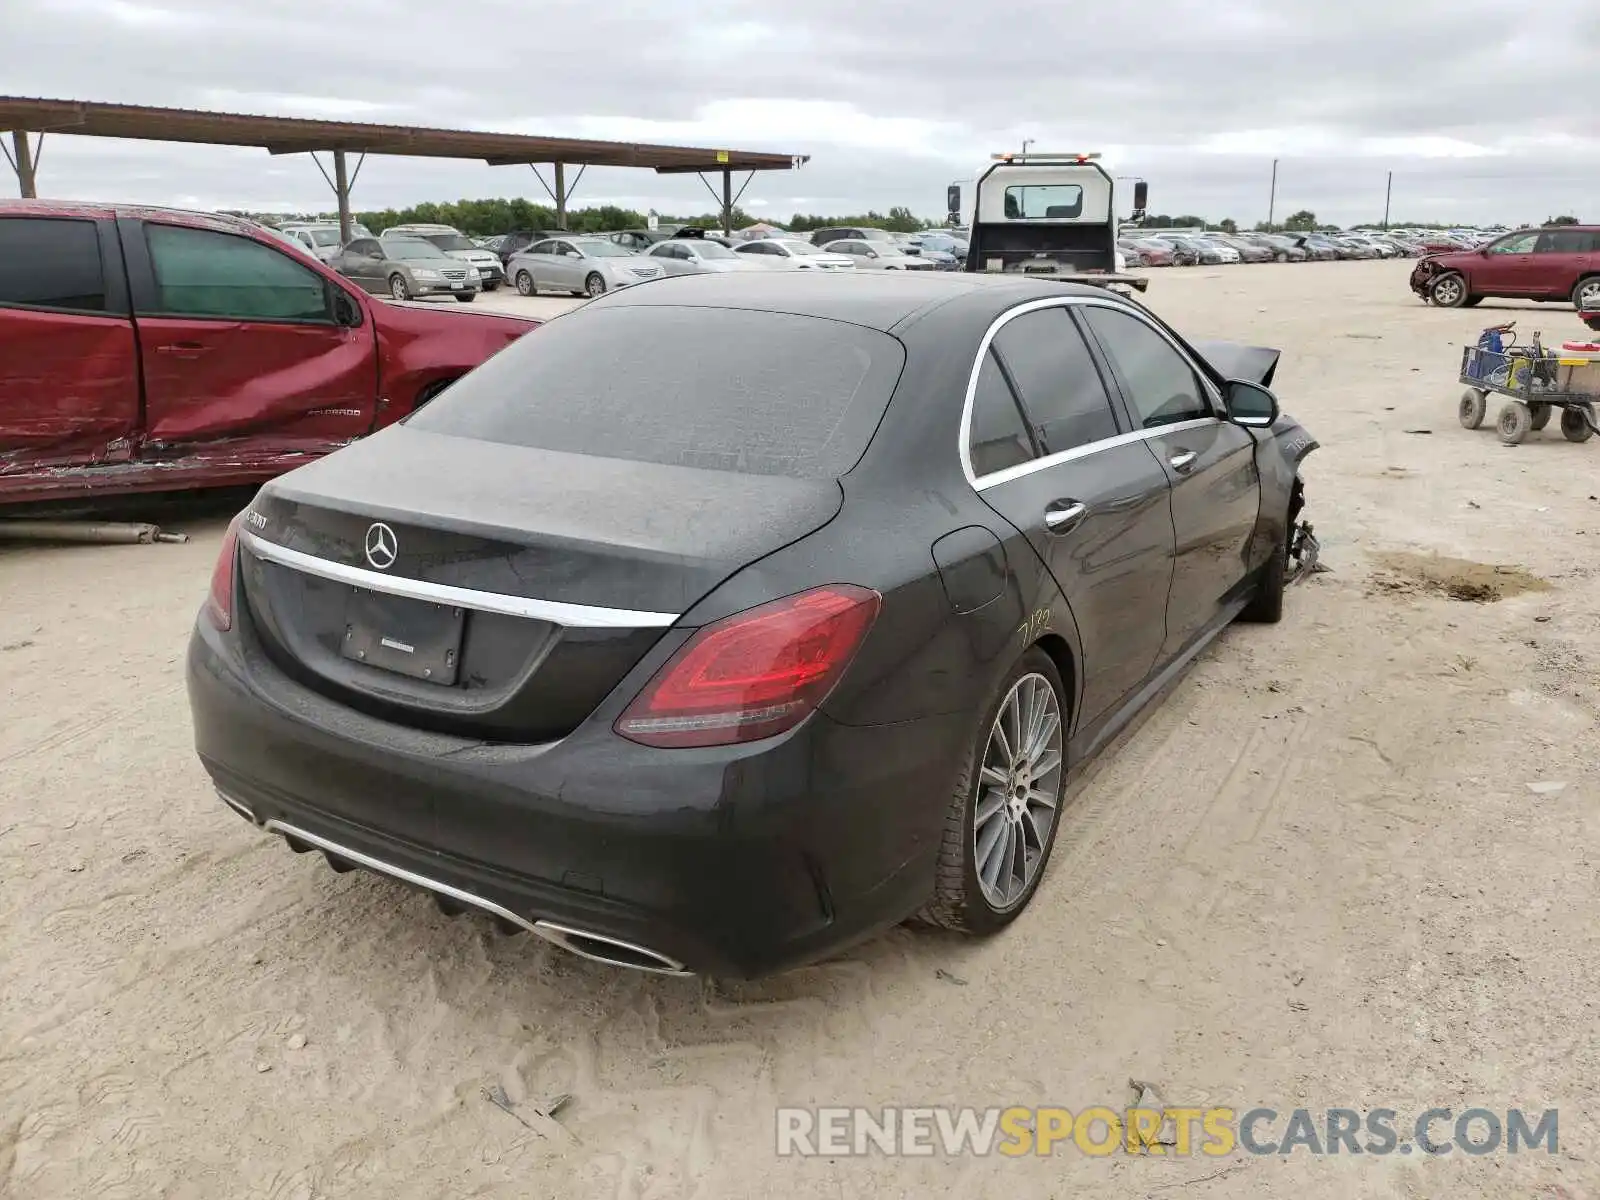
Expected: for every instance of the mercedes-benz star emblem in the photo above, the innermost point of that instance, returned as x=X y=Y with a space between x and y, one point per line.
x=382 y=546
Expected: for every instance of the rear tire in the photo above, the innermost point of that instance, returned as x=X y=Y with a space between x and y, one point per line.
x=468 y=298
x=962 y=900
x=525 y=284
x=1448 y=291
x=1575 y=425
x=1474 y=404
x=1514 y=422
x=398 y=288
x=1540 y=414
x=1587 y=290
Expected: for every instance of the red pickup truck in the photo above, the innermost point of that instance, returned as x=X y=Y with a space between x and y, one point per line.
x=146 y=349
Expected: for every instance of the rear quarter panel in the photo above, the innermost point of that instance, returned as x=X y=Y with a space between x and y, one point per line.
x=421 y=346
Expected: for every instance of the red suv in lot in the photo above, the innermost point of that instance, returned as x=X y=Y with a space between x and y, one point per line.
x=146 y=349
x=1561 y=262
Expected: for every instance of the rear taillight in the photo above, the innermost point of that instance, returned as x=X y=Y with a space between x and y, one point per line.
x=219 y=604
x=754 y=674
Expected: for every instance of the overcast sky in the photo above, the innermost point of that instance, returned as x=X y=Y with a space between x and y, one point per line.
x=1483 y=109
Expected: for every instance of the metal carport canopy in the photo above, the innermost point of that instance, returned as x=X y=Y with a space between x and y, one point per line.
x=300 y=135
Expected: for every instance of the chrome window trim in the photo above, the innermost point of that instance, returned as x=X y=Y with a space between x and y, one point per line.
x=981 y=482
x=580 y=616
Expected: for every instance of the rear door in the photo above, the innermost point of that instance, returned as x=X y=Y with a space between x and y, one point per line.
x=1048 y=453
x=69 y=368
x=1565 y=256
x=1216 y=487
x=241 y=348
x=362 y=261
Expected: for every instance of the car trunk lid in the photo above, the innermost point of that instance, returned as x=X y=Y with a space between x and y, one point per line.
x=495 y=590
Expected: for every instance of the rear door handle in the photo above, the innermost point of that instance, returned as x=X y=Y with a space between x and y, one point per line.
x=1183 y=461
x=1064 y=516
x=183 y=349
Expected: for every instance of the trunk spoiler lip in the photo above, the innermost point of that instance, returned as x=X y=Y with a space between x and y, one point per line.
x=1235 y=360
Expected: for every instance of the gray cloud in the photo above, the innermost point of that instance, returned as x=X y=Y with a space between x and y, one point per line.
x=1475 y=105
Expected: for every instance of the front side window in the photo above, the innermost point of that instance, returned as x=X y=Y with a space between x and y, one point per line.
x=51 y=262
x=202 y=273
x=1519 y=243
x=998 y=437
x=1160 y=385
x=543 y=248
x=1056 y=379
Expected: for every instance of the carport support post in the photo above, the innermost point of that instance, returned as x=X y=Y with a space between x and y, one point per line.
x=24 y=164
x=341 y=189
x=727 y=202
x=561 y=196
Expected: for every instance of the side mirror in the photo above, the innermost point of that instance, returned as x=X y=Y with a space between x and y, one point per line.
x=345 y=310
x=1250 y=404
x=1141 y=197
x=952 y=203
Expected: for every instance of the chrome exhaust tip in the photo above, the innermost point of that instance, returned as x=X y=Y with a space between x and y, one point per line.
x=614 y=952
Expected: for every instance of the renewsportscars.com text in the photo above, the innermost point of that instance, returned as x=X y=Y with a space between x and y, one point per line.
x=1212 y=1131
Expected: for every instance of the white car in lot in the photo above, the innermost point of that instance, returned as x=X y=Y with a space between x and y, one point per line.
x=794 y=254
x=697 y=256
x=879 y=256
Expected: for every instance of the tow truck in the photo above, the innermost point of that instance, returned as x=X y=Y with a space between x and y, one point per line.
x=1052 y=215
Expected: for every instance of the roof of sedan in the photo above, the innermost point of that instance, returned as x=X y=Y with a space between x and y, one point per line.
x=875 y=299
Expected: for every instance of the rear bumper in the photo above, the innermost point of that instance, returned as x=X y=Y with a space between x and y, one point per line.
x=735 y=862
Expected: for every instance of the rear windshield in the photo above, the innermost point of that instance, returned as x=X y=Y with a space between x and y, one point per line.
x=758 y=393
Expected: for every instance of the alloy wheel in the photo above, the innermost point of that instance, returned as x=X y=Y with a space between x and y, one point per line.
x=1019 y=791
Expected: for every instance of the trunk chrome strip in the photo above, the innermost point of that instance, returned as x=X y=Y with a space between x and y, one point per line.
x=582 y=616
x=548 y=930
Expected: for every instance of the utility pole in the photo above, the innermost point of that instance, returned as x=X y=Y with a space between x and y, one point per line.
x=1272 y=197
x=1387 y=193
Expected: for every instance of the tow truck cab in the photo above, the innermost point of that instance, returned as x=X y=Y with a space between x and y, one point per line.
x=1047 y=214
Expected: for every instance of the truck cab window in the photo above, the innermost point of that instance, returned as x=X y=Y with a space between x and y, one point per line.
x=51 y=262
x=201 y=273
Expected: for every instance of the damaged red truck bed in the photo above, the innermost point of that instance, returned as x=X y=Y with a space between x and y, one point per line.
x=146 y=350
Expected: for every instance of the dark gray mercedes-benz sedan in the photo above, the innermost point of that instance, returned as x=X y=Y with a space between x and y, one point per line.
x=729 y=619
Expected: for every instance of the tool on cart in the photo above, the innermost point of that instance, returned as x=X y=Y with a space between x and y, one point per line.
x=1535 y=382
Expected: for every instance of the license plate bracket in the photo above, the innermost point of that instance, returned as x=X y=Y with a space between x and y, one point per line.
x=408 y=637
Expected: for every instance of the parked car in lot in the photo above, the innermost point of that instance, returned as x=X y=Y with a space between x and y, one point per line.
x=406 y=268
x=148 y=350
x=517 y=240
x=639 y=239
x=455 y=244
x=1132 y=255
x=796 y=254
x=1155 y=252
x=696 y=256
x=939 y=240
x=1558 y=263
x=1203 y=250
x=321 y=241
x=582 y=266
x=859 y=233
x=1247 y=250
x=1283 y=249
x=1320 y=248
x=717 y=662
x=878 y=256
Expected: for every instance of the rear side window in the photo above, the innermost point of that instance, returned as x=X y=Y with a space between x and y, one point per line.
x=998 y=438
x=48 y=262
x=1565 y=241
x=1059 y=384
x=200 y=273
x=758 y=393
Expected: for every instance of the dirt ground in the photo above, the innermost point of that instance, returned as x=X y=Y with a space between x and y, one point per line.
x=1316 y=875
